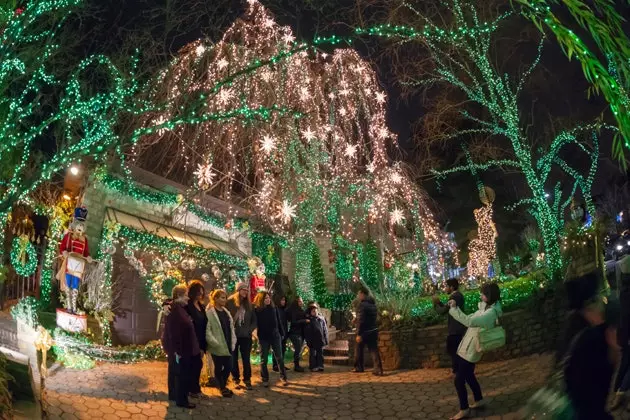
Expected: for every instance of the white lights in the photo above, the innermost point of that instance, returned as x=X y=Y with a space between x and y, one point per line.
x=287 y=211
x=74 y=170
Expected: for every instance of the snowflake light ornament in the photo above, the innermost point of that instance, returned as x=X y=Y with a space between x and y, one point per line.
x=351 y=150
x=287 y=212
x=397 y=216
x=268 y=144
x=205 y=176
x=308 y=134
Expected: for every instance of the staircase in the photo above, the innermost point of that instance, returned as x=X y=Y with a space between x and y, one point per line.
x=337 y=351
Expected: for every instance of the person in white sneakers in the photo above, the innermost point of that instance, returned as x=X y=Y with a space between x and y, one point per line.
x=468 y=353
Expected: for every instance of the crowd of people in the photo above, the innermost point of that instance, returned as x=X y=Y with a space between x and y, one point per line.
x=216 y=334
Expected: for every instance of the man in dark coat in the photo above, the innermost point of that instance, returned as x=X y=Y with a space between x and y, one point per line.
x=367 y=332
x=456 y=330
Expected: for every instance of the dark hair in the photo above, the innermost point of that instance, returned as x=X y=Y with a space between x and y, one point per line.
x=491 y=292
x=259 y=301
x=194 y=288
x=279 y=300
x=310 y=308
x=453 y=283
x=363 y=289
x=582 y=290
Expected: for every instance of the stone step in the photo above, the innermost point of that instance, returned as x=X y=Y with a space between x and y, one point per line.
x=337 y=360
x=332 y=333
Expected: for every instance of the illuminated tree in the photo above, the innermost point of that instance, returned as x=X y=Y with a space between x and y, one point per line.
x=606 y=68
x=317 y=166
x=462 y=58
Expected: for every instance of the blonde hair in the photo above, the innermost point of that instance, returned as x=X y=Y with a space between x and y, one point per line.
x=215 y=294
x=179 y=291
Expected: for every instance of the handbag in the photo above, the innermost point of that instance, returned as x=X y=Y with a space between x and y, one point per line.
x=491 y=338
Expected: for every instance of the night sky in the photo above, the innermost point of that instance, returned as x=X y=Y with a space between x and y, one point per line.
x=556 y=95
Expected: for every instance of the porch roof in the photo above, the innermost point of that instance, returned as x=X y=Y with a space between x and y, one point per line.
x=168 y=232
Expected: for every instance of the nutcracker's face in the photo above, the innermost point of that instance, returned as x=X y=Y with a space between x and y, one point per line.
x=79 y=229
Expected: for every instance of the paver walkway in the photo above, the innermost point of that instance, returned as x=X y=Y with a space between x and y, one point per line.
x=139 y=392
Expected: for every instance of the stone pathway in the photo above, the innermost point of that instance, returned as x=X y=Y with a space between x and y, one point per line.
x=139 y=392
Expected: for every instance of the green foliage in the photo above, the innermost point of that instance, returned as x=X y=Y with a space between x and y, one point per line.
x=370 y=264
x=319 y=281
x=267 y=248
x=27 y=311
x=6 y=400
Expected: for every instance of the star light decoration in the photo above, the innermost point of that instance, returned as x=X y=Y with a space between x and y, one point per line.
x=205 y=175
x=326 y=157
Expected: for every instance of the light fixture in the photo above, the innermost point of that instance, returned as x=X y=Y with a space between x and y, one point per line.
x=74 y=170
x=619 y=247
x=546 y=195
x=66 y=197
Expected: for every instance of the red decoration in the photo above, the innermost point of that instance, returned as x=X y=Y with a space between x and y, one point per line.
x=255 y=284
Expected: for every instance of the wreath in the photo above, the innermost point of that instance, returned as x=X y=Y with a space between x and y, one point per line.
x=23 y=256
x=160 y=284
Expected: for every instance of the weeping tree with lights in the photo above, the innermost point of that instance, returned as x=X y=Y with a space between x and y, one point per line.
x=461 y=55
x=320 y=166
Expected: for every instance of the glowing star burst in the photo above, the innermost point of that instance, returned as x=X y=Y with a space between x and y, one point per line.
x=288 y=38
x=396 y=178
x=351 y=150
x=268 y=144
x=371 y=167
x=222 y=63
x=287 y=212
x=200 y=50
x=308 y=134
x=205 y=176
x=380 y=97
x=397 y=216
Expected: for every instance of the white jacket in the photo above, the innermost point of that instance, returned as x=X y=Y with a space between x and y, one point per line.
x=217 y=344
x=485 y=317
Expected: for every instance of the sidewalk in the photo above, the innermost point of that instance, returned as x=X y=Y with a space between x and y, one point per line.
x=139 y=392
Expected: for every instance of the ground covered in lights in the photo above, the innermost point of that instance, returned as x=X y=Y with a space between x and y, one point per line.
x=139 y=392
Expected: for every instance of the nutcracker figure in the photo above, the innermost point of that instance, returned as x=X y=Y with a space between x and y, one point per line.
x=257 y=279
x=76 y=254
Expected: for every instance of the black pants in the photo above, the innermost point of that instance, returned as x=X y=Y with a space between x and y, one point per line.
x=195 y=373
x=452 y=344
x=172 y=396
x=222 y=369
x=466 y=375
x=244 y=346
x=623 y=367
x=369 y=340
x=298 y=346
x=183 y=371
x=284 y=351
x=276 y=348
x=315 y=357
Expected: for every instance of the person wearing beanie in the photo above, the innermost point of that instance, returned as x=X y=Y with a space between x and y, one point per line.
x=316 y=334
x=590 y=364
x=242 y=312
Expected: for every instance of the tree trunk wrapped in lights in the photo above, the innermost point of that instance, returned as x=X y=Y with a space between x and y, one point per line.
x=462 y=58
x=319 y=165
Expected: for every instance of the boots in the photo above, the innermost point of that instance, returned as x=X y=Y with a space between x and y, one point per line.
x=69 y=300
x=75 y=295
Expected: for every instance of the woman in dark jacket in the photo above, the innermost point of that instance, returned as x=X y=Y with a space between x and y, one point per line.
x=590 y=366
x=197 y=312
x=284 y=323
x=270 y=334
x=367 y=332
x=316 y=335
x=297 y=317
x=181 y=346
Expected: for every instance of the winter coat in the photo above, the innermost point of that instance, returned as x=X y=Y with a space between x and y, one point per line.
x=200 y=322
x=179 y=333
x=316 y=332
x=486 y=317
x=284 y=320
x=366 y=316
x=298 y=321
x=454 y=327
x=588 y=373
x=269 y=325
x=246 y=328
x=217 y=345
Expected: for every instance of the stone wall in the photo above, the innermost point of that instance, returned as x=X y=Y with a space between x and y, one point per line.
x=528 y=331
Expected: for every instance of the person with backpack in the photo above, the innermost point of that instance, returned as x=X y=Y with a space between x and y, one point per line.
x=456 y=330
x=469 y=351
x=316 y=334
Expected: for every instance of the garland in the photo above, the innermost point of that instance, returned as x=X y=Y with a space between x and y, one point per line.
x=22 y=249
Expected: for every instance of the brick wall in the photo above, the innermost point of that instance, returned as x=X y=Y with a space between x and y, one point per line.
x=527 y=332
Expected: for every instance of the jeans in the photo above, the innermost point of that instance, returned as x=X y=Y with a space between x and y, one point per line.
x=466 y=375
x=369 y=340
x=182 y=380
x=222 y=369
x=298 y=346
x=316 y=357
x=195 y=373
x=244 y=345
x=452 y=344
x=276 y=348
x=284 y=351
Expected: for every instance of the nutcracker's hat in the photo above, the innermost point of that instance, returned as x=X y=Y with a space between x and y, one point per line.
x=80 y=214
